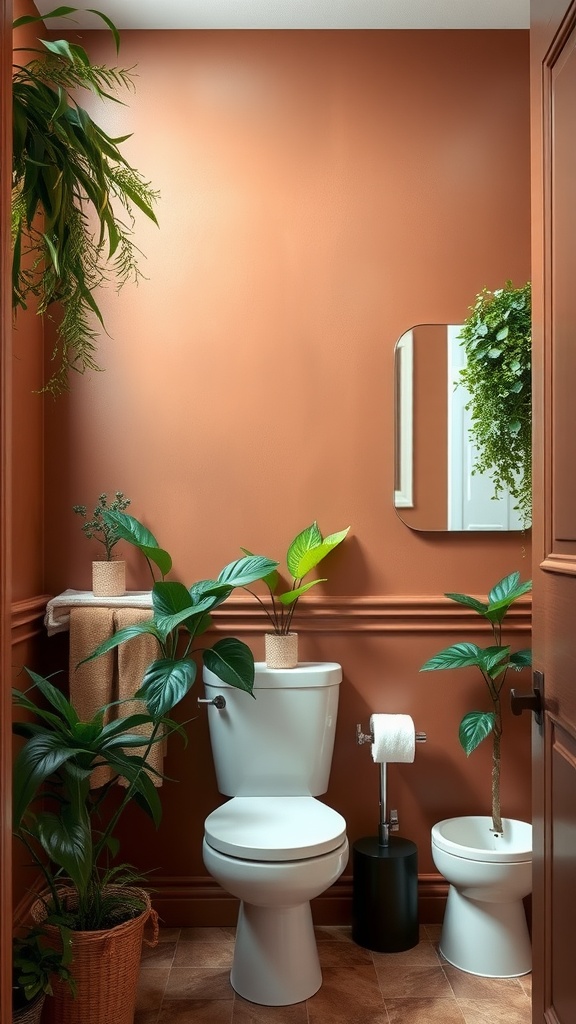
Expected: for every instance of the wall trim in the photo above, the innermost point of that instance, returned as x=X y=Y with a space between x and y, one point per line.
x=414 y=613
x=198 y=901
x=28 y=618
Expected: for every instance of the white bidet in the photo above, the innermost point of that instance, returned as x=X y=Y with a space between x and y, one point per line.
x=484 y=930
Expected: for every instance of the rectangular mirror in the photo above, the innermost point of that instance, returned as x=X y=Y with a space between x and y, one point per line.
x=435 y=487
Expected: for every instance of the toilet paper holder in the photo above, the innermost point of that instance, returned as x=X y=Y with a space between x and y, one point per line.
x=387 y=824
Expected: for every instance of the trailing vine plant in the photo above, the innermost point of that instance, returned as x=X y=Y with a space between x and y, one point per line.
x=497 y=338
x=73 y=196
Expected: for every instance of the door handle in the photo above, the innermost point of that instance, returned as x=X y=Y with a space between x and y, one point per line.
x=531 y=701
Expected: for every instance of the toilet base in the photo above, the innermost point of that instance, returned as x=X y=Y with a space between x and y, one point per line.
x=275 y=955
x=490 y=940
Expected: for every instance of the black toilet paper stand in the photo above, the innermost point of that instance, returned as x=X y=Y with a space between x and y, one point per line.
x=385 y=879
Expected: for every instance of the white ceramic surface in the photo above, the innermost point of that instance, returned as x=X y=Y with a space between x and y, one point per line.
x=484 y=930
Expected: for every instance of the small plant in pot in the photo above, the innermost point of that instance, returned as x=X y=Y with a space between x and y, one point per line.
x=306 y=551
x=493 y=663
x=35 y=963
x=108 y=575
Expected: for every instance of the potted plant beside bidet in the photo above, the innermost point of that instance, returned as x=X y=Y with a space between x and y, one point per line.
x=306 y=551
x=486 y=859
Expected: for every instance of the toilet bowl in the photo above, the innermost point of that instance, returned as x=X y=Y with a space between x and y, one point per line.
x=274 y=845
x=484 y=931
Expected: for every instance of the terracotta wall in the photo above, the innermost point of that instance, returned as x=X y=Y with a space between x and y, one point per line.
x=321 y=193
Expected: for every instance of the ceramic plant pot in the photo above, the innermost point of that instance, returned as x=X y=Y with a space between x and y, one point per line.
x=108 y=579
x=281 y=650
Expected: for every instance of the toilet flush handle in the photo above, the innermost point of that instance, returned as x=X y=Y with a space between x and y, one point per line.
x=218 y=701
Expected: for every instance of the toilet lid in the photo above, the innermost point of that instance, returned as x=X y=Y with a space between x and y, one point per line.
x=274 y=828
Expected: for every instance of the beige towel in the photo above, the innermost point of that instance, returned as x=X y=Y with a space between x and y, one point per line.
x=113 y=676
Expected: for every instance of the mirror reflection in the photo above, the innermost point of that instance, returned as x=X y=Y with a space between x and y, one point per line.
x=434 y=486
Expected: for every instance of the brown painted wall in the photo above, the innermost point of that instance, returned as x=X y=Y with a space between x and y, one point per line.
x=321 y=192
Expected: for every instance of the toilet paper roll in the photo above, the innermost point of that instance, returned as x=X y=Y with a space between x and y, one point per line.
x=394 y=738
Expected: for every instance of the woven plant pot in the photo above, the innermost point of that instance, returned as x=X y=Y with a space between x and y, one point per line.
x=31 y=1013
x=108 y=579
x=281 y=650
x=105 y=966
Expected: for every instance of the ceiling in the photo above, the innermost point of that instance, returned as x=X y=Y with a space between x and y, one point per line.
x=300 y=14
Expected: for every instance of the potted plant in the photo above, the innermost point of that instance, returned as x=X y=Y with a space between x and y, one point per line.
x=68 y=829
x=108 y=576
x=493 y=662
x=497 y=338
x=179 y=610
x=34 y=965
x=64 y=168
x=305 y=552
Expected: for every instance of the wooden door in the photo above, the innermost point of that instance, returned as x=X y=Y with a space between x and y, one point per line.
x=553 y=45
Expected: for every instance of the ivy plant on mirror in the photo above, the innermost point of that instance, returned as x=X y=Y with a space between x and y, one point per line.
x=440 y=482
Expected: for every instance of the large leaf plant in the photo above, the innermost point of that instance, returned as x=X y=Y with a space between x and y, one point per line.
x=73 y=196
x=180 y=615
x=493 y=662
x=497 y=339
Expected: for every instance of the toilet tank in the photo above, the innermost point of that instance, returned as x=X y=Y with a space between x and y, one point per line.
x=281 y=743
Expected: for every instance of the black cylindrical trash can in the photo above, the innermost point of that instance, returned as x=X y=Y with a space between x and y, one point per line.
x=385 y=894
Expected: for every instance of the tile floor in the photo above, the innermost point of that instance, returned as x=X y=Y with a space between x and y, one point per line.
x=185 y=980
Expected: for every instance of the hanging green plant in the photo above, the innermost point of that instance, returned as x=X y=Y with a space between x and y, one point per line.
x=497 y=338
x=67 y=176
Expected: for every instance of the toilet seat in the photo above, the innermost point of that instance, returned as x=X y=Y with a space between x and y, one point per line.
x=274 y=828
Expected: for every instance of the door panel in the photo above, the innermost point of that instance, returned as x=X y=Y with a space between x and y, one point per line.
x=553 y=46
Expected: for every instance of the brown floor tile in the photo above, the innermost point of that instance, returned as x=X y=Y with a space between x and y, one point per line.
x=169 y=934
x=208 y=934
x=199 y=983
x=204 y=954
x=422 y=955
x=161 y=955
x=146 y=1016
x=496 y=1011
x=331 y=933
x=252 y=1013
x=343 y=955
x=425 y=1011
x=151 y=986
x=196 y=1011
x=402 y=981
x=471 y=986
x=345 y=995
x=526 y=983
x=433 y=932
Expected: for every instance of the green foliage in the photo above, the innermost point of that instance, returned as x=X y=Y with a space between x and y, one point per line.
x=35 y=964
x=178 y=611
x=305 y=552
x=66 y=826
x=497 y=338
x=493 y=662
x=98 y=528
x=66 y=172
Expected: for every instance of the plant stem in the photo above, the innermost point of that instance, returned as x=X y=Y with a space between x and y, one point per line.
x=496 y=735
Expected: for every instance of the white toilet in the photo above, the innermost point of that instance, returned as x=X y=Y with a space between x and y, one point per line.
x=274 y=845
x=484 y=930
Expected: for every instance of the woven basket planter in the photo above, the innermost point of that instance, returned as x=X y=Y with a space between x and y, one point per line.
x=108 y=579
x=31 y=1013
x=281 y=650
x=105 y=966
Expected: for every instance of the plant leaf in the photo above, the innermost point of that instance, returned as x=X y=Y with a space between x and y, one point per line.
x=233 y=662
x=459 y=655
x=246 y=570
x=470 y=602
x=292 y=595
x=127 y=633
x=130 y=529
x=165 y=683
x=66 y=837
x=520 y=659
x=475 y=727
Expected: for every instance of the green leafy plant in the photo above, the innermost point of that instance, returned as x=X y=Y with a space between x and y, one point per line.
x=493 y=663
x=97 y=528
x=68 y=828
x=35 y=963
x=497 y=338
x=181 y=613
x=305 y=552
x=67 y=172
